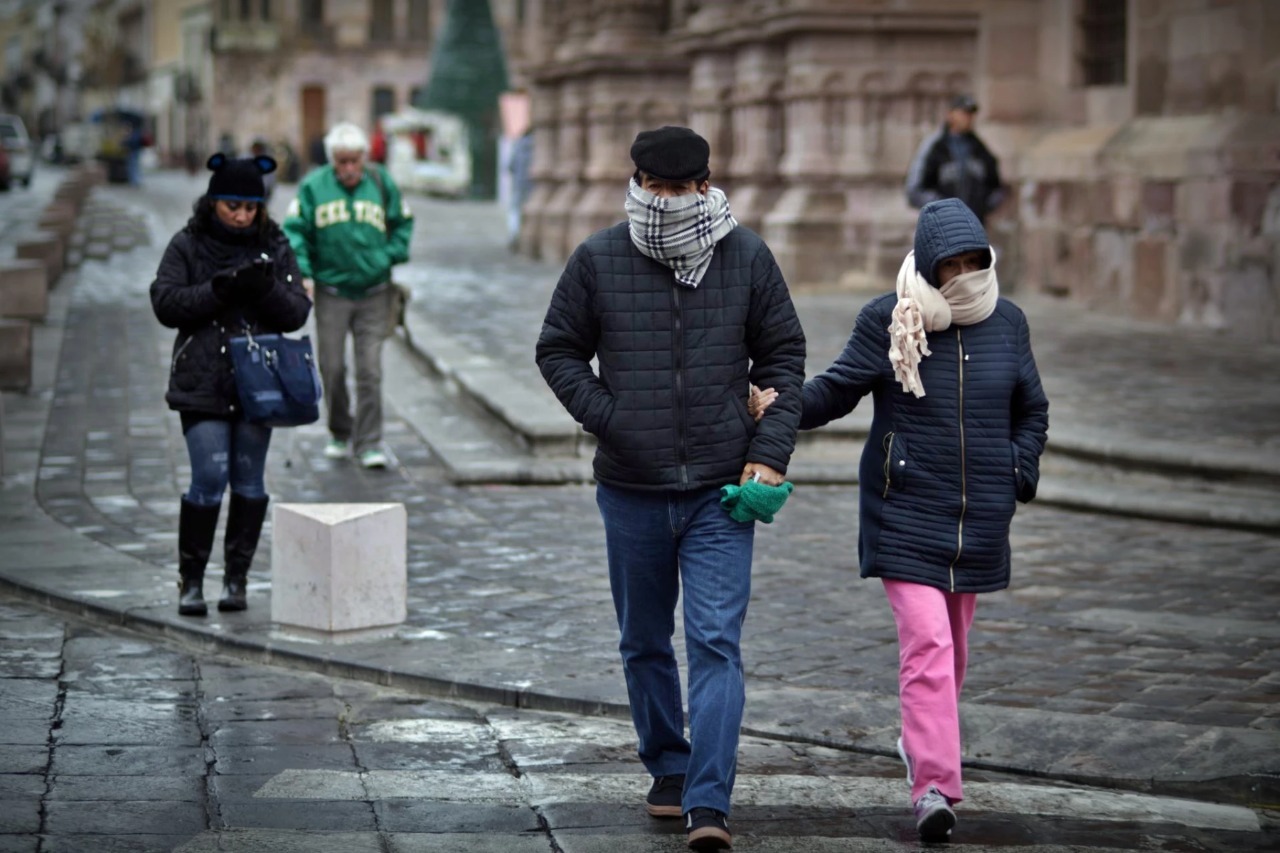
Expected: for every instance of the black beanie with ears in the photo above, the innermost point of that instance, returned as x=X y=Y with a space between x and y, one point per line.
x=239 y=179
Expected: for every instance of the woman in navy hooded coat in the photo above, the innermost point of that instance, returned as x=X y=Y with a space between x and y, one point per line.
x=959 y=425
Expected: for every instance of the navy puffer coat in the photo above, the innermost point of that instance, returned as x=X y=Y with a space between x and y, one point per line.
x=940 y=475
x=669 y=405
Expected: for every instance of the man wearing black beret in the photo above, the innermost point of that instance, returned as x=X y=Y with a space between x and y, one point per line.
x=684 y=310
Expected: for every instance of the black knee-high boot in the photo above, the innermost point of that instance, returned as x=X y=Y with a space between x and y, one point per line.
x=244 y=526
x=196 y=528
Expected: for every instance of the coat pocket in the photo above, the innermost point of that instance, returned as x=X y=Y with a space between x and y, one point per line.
x=895 y=463
x=1017 y=469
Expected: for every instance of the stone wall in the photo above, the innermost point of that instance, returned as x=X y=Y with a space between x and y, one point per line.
x=1157 y=197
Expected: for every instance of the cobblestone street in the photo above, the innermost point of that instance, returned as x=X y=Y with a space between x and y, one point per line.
x=1133 y=654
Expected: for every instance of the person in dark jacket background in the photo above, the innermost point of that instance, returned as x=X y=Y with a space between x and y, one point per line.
x=954 y=163
x=230 y=268
x=959 y=424
x=684 y=309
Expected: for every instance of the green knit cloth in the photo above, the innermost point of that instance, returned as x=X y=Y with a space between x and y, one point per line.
x=754 y=501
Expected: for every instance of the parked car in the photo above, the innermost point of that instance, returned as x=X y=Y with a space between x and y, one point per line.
x=22 y=155
x=4 y=170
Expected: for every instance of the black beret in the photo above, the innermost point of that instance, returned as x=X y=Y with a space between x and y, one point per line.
x=672 y=154
x=239 y=179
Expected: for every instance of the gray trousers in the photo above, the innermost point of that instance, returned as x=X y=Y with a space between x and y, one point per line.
x=367 y=320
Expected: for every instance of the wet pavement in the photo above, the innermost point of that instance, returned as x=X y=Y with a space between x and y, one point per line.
x=117 y=742
x=1140 y=655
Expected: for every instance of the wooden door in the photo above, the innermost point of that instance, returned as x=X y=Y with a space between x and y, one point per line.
x=313 y=124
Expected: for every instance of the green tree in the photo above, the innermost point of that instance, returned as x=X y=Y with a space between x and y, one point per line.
x=468 y=72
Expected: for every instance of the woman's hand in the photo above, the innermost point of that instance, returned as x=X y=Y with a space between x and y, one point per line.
x=759 y=401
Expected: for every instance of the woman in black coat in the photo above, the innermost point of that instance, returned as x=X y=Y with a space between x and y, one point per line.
x=229 y=269
x=959 y=424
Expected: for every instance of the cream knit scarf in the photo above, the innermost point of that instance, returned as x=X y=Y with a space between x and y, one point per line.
x=921 y=308
x=680 y=231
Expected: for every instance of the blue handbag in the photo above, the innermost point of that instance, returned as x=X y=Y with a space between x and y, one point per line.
x=277 y=379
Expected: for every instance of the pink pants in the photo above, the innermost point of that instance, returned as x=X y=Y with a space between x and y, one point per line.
x=933 y=631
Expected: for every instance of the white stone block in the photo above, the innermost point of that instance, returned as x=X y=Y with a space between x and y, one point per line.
x=339 y=567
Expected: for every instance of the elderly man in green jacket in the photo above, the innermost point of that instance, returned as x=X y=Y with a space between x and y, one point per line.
x=348 y=226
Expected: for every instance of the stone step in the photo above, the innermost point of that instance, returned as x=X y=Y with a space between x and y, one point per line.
x=488 y=428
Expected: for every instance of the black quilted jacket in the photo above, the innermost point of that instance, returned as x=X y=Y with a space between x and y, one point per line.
x=200 y=377
x=669 y=404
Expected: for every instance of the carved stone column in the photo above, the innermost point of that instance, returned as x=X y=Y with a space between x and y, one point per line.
x=614 y=74
x=544 y=117
x=626 y=27
x=565 y=183
x=710 y=85
x=756 y=131
x=570 y=28
x=805 y=227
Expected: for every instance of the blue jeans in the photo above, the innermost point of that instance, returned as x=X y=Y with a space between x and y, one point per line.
x=656 y=542
x=225 y=452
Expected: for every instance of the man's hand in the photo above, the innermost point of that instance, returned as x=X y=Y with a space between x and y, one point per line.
x=309 y=286
x=759 y=401
x=768 y=476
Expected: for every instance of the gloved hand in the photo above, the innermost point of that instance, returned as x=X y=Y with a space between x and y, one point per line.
x=256 y=279
x=226 y=288
x=247 y=284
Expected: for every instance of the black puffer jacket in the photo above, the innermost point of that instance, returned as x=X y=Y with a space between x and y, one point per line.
x=669 y=406
x=182 y=296
x=940 y=475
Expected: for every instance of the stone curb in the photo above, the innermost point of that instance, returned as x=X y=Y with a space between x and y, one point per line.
x=344 y=661
x=560 y=452
x=538 y=416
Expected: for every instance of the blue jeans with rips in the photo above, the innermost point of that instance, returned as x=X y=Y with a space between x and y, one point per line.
x=226 y=452
x=658 y=541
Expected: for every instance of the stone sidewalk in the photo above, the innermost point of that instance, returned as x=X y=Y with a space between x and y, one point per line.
x=1145 y=420
x=115 y=742
x=1132 y=653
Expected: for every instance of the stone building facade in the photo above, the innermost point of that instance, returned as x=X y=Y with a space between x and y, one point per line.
x=287 y=70
x=1140 y=138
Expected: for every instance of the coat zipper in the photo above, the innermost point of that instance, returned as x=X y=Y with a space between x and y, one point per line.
x=681 y=449
x=964 y=499
x=173 y=368
x=887 y=446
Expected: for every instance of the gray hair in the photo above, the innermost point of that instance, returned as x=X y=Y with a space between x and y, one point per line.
x=345 y=136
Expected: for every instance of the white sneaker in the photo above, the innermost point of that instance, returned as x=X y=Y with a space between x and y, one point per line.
x=336 y=449
x=934 y=817
x=373 y=458
x=906 y=759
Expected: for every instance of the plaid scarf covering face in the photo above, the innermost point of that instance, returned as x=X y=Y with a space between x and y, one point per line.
x=680 y=232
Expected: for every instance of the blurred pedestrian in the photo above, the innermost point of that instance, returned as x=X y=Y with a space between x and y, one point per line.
x=260 y=148
x=683 y=308
x=135 y=140
x=378 y=144
x=316 y=151
x=959 y=423
x=520 y=166
x=229 y=269
x=954 y=163
x=349 y=225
